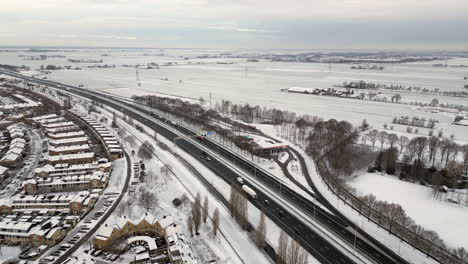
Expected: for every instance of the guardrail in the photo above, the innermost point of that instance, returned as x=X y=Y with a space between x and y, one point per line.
x=431 y=250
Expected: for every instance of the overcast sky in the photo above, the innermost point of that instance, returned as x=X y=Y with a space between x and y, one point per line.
x=300 y=24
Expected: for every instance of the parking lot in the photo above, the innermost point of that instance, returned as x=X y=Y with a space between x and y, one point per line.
x=86 y=224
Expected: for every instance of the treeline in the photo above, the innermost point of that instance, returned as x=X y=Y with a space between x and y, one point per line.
x=14 y=68
x=249 y=113
x=415 y=121
x=421 y=158
x=211 y=120
x=334 y=142
x=399 y=87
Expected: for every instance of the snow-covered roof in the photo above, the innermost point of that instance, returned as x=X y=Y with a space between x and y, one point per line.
x=37 y=118
x=76 y=140
x=77 y=156
x=3 y=170
x=67 y=135
x=69 y=148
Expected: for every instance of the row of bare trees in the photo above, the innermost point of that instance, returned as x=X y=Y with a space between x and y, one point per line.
x=390 y=216
x=290 y=252
x=238 y=206
x=199 y=215
x=421 y=148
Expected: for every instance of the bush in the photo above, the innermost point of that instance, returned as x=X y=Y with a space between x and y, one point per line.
x=403 y=175
x=176 y=202
x=390 y=171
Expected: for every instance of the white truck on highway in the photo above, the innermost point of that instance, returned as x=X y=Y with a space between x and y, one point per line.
x=249 y=191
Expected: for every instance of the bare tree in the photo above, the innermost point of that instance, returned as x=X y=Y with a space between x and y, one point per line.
x=238 y=206
x=293 y=252
x=130 y=140
x=395 y=214
x=283 y=245
x=205 y=209
x=464 y=151
x=296 y=254
x=432 y=144
x=461 y=253
x=373 y=135
x=444 y=145
x=382 y=138
x=215 y=221
x=146 y=151
x=260 y=233
x=196 y=213
x=165 y=169
x=121 y=208
x=148 y=199
x=392 y=139
x=421 y=143
x=403 y=142
x=452 y=150
x=190 y=224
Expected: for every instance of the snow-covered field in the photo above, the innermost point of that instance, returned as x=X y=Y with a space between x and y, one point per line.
x=448 y=220
x=260 y=83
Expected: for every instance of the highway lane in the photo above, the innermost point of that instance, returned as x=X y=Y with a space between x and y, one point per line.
x=332 y=220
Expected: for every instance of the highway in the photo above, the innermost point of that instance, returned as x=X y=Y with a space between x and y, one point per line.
x=318 y=246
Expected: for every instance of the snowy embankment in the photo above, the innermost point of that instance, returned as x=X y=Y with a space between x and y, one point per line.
x=448 y=220
x=404 y=250
x=233 y=239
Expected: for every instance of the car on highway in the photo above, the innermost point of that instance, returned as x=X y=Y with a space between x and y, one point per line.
x=281 y=213
x=266 y=202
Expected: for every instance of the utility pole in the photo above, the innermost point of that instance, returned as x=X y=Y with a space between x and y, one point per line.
x=210 y=100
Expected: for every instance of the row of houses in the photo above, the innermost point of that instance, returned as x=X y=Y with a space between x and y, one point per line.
x=77 y=203
x=109 y=141
x=26 y=105
x=40 y=230
x=17 y=147
x=67 y=185
x=98 y=180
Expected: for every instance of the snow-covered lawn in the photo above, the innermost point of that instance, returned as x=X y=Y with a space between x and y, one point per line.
x=448 y=220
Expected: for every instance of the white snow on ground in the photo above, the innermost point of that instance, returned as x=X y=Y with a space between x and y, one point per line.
x=448 y=220
x=223 y=246
x=283 y=156
x=119 y=173
x=8 y=253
